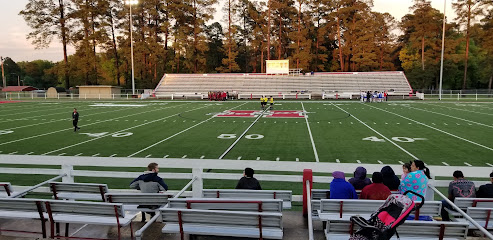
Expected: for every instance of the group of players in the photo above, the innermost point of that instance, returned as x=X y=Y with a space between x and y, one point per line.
x=374 y=96
x=218 y=96
x=264 y=100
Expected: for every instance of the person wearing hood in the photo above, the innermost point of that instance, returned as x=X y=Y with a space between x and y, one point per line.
x=149 y=182
x=359 y=181
x=340 y=189
x=389 y=178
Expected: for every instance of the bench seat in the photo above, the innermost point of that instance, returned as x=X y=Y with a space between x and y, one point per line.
x=222 y=223
x=201 y=229
x=79 y=191
x=285 y=195
x=90 y=219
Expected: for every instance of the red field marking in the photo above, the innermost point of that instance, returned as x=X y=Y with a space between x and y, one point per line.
x=238 y=113
x=269 y=114
x=285 y=114
x=9 y=102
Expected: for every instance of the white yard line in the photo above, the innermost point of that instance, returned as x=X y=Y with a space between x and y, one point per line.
x=95 y=155
x=467 y=164
x=166 y=156
x=446 y=164
x=202 y=157
x=239 y=158
x=381 y=135
x=241 y=136
x=428 y=126
x=12 y=153
x=45 y=134
x=126 y=129
x=148 y=156
x=113 y=155
x=310 y=133
x=29 y=153
x=61 y=154
x=78 y=154
x=67 y=119
x=277 y=159
x=489 y=114
x=458 y=118
x=297 y=159
x=401 y=162
x=338 y=161
x=176 y=134
x=489 y=164
x=358 y=161
x=184 y=156
x=258 y=158
x=380 y=162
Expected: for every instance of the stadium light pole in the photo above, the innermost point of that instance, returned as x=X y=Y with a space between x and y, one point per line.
x=130 y=3
x=443 y=50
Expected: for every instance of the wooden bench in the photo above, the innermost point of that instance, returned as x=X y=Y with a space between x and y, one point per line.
x=131 y=201
x=465 y=203
x=332 y=209
x=222 y=223
x=86 y=213
x=79 y=191
x=27 y=209
x=251 y=205
x=342 y=229
x=284 y=195
x=483 y=216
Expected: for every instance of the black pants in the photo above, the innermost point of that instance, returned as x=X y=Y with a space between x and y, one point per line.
x=75 y=125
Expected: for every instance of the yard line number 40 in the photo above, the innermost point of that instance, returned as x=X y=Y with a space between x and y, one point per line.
x=397 y=139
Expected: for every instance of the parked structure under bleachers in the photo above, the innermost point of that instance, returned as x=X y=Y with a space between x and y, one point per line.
x=286 y=86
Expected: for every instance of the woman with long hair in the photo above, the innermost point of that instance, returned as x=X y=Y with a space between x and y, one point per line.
x=416 y=180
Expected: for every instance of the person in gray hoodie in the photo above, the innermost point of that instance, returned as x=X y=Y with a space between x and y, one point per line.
x=149 y=182
x=359 y=181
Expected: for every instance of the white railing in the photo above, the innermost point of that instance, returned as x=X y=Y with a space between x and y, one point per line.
x=460 y=96
x=197 y=166
x=309 y=205
x=476 y=224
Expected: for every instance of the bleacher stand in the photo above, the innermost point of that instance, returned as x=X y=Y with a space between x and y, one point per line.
x=346 y=84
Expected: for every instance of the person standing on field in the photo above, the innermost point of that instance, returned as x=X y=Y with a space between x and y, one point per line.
x=75 y=119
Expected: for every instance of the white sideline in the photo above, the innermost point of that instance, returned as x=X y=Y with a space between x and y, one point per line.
x=460 y=109
x=450 y=134
x=395 y=144
x=458 y=118
x=126 y=129
x=41 y=135
x=36 y=124
x=310 y=133
x=176 y=134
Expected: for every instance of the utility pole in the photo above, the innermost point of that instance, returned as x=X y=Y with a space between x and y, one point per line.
x=3 y=74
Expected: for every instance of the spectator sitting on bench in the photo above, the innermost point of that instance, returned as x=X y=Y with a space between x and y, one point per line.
x=340 y=189
x=248 y=181
x=486 y=191
x=377 y=190
x=460 y=187
x=359 y=181
x=149 y=182
x=389 y=178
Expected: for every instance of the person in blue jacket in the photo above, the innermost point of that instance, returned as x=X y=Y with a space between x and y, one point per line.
x=340 y=189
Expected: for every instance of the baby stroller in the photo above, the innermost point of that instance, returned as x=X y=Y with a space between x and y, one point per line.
x=383 y=223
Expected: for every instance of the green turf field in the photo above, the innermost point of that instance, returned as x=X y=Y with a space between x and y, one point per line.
x=455 y=134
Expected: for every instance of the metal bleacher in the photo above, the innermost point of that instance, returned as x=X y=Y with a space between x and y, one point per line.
x=318 y=83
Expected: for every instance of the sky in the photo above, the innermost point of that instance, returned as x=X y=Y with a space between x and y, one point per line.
x=14 y=30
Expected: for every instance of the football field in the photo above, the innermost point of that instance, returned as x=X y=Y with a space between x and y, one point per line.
x=447 y=134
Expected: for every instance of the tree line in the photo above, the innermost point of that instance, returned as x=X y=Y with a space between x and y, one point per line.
x=176 y=36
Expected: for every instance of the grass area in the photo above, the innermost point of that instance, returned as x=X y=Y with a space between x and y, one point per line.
x=439 y=133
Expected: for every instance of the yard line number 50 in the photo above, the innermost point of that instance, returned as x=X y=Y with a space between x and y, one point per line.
x=231 y=136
